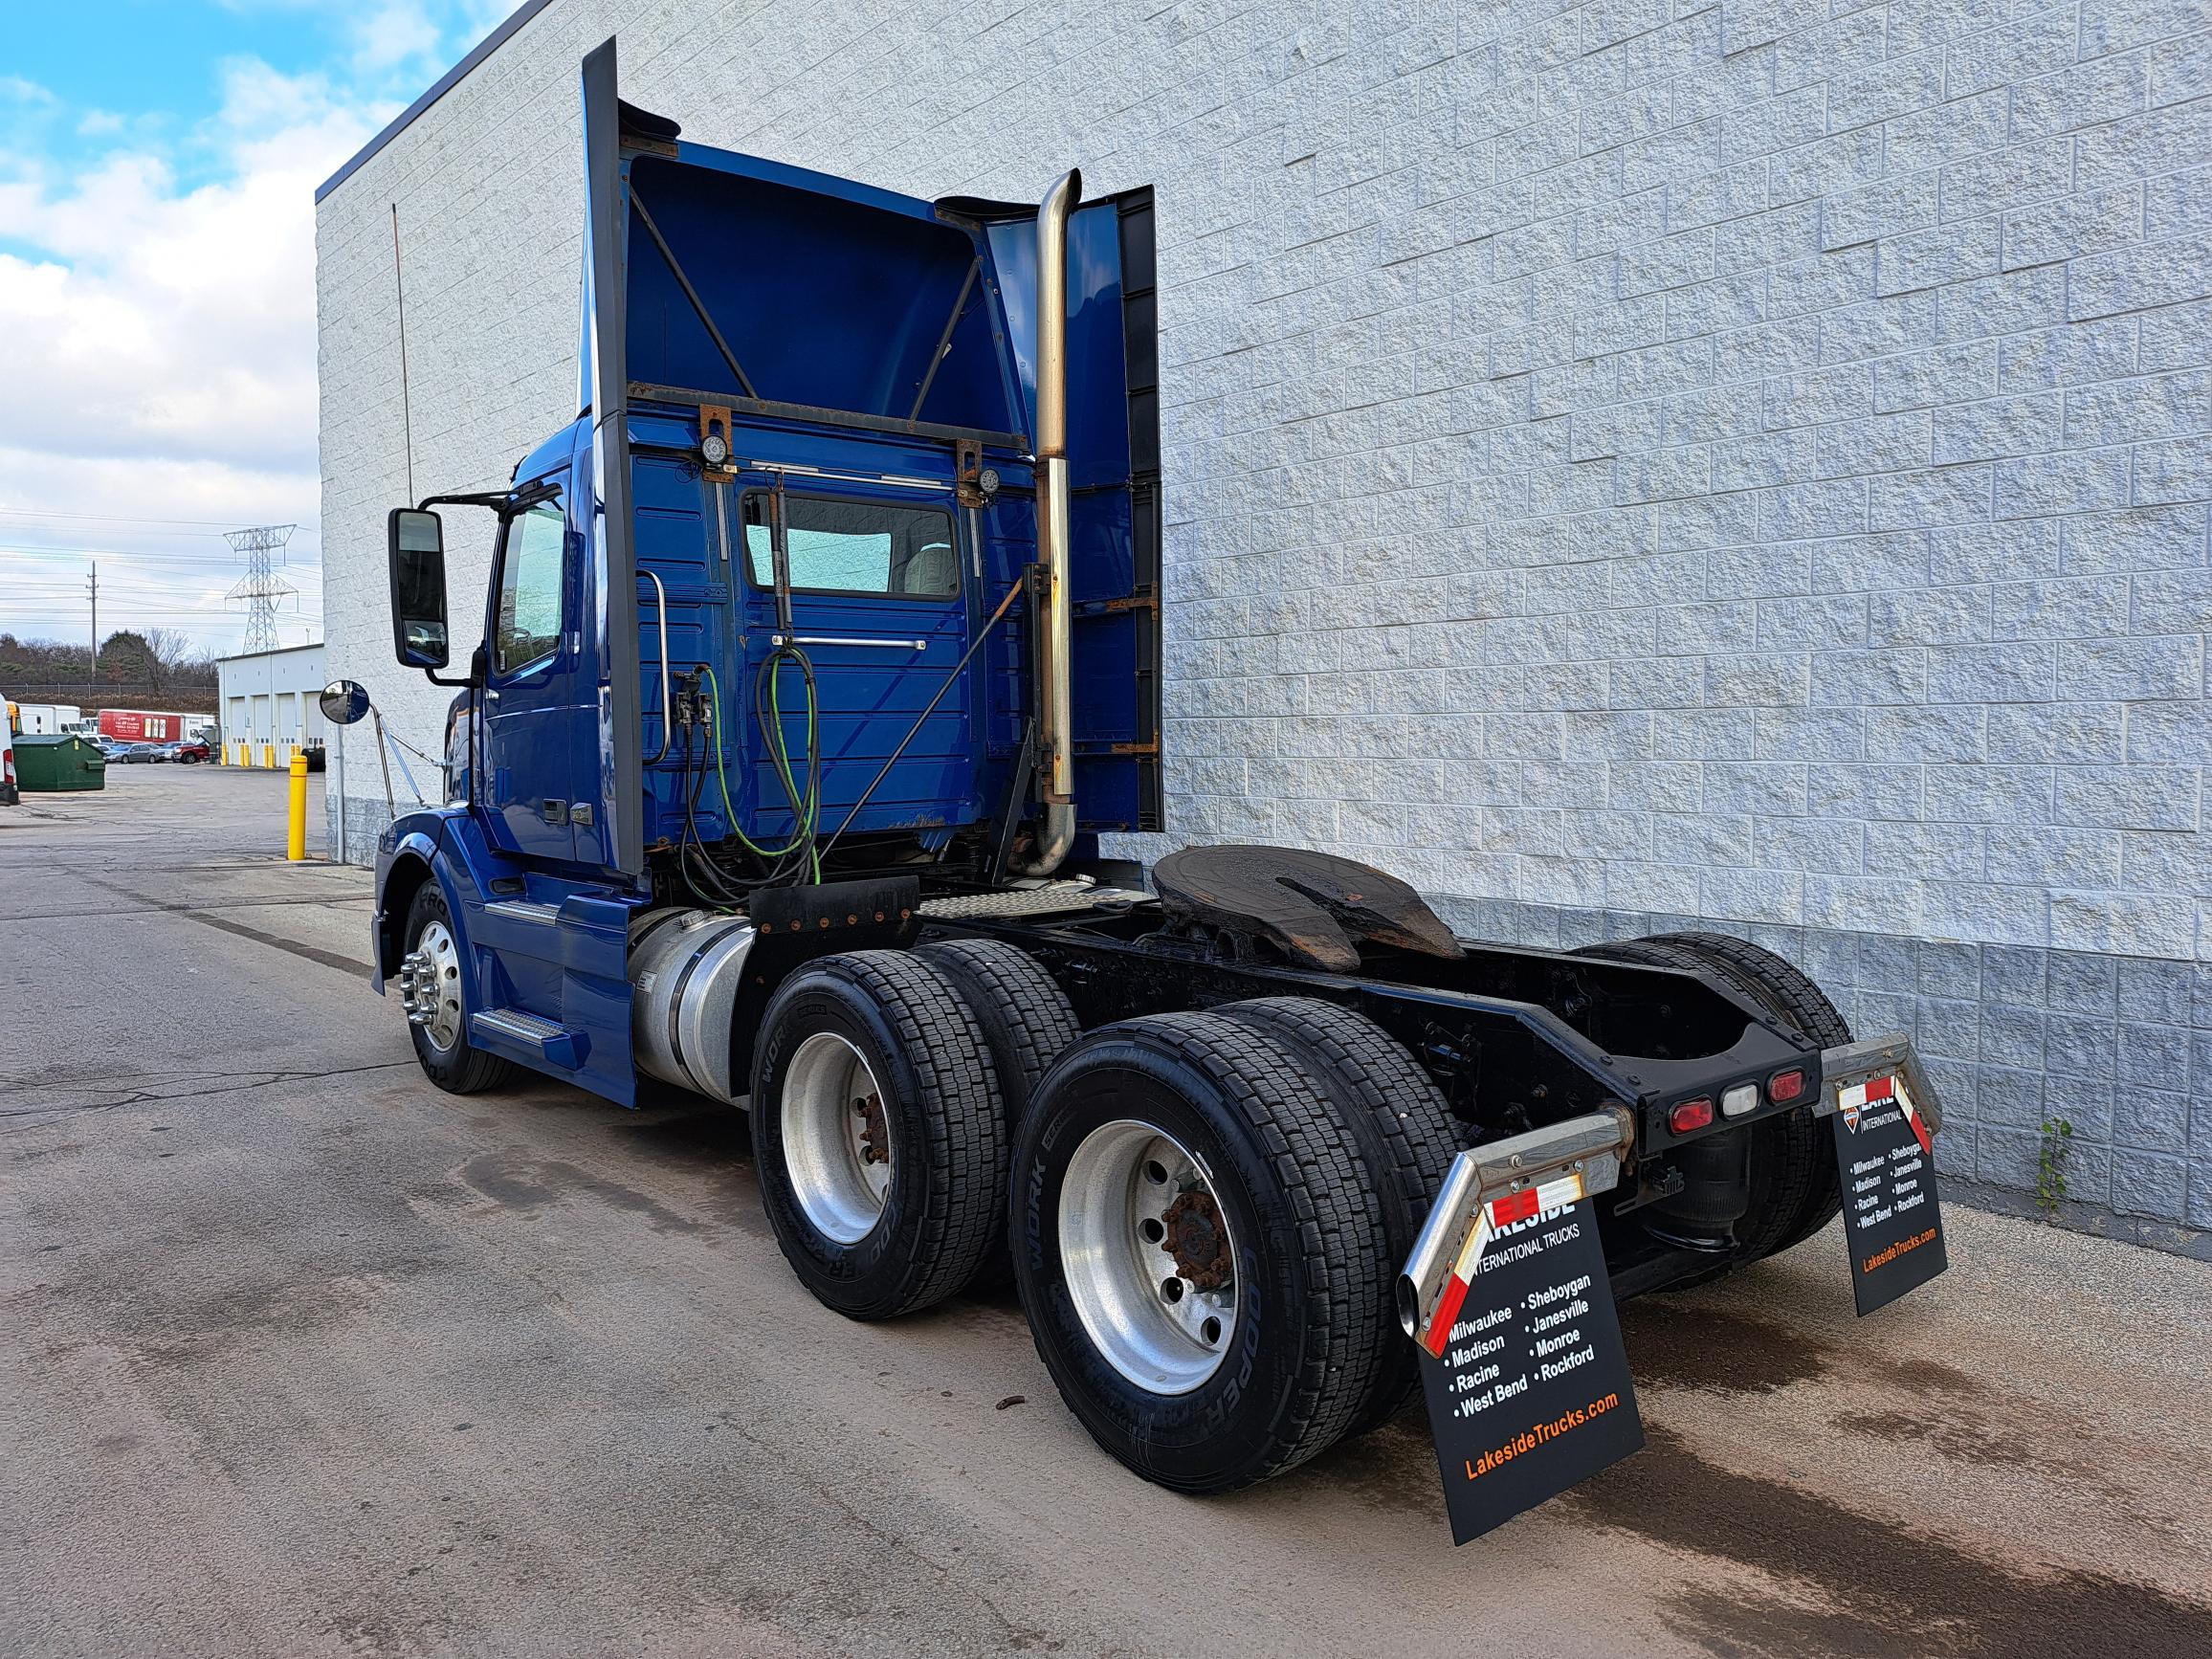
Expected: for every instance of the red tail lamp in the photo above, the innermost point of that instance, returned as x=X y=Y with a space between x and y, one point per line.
x=1690 y=1114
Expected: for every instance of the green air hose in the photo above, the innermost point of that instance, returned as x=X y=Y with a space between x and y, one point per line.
x=807 y=805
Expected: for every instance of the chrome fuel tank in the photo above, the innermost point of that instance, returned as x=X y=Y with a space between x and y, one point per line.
x=685 y=968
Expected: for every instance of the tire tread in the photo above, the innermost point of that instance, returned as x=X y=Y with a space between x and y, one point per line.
x=1405 y=1132
x=1324 y=1187
x=958 y=1105
x=1025 y=1018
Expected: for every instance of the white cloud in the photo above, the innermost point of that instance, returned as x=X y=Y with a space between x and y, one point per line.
x=157 y=313
x=157 y=342
x=393 y=34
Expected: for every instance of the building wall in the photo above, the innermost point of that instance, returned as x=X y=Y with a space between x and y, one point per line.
x=1627 y=462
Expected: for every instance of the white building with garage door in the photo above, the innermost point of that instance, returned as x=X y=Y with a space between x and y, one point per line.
x=1628 y=464
x=267 y=701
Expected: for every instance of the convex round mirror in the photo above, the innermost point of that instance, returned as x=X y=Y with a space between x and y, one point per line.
x=345 y=701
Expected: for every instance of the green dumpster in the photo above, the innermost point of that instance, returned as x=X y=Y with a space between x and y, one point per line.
x=50 y=764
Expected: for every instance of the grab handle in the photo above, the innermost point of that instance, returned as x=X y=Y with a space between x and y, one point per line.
x=666 y=714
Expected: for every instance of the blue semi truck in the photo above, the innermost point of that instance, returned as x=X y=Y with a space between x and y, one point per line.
x=819 y=650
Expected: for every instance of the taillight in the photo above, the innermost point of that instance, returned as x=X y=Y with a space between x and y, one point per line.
x=1785 y=1086
x=1690 y=1114
x=1742 y=1098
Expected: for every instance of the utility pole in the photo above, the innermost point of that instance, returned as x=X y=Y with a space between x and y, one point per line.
x=93 y=587
x=261 y=587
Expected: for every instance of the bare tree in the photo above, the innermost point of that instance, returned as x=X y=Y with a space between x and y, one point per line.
x=174 y=650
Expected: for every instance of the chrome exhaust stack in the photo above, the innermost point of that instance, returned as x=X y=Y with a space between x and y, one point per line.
x=1056 y=719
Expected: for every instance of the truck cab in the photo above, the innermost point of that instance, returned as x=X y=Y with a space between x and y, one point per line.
x=774 y=610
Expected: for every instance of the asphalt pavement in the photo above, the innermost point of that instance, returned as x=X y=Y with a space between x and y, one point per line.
x=302 y=1356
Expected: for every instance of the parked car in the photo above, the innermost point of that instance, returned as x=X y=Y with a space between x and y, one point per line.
x=185 y=753
x=134 y=754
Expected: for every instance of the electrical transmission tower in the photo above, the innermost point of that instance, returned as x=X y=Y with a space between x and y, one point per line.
x=261 y=587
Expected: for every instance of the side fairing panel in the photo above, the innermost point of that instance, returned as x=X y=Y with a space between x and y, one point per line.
x=1113 y=470
x=611 y=631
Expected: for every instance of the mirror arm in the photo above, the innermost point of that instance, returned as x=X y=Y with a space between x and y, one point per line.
x=501 y=501
x=496 y=499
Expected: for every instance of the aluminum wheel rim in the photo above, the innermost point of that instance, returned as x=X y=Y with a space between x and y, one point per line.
x=442 y=961
x=1161 y=1326
x=836 y=1134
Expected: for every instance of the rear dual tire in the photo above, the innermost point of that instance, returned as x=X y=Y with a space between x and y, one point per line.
x=1790 y=1170
x=1181 y=1162
x=878 y=1134
x=1207 y=1210
x=1406 y=1137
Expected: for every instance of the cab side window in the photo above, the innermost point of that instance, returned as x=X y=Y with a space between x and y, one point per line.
x=845 y=546
x=529 y=627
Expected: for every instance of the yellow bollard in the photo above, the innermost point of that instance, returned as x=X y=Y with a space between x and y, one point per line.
x=296 y=834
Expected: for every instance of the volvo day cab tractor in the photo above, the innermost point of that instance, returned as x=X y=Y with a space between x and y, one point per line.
x=820 y=649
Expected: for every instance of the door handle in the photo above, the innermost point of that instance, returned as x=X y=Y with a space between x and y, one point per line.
x=908 y=644
x=553 y=811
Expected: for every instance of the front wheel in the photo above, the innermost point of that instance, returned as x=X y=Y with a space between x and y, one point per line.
x=431 y=993
x=1198 y=1247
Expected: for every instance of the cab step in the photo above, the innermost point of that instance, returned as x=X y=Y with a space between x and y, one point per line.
x=529 y=1038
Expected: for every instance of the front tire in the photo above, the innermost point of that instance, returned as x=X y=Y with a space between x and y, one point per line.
x=878 y=1134
x=1197 y=1248
x=432 y=991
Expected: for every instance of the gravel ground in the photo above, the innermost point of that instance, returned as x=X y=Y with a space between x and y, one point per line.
x=306 y=1357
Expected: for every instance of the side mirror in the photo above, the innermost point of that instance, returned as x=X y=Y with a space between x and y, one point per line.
x=345 y=701
x=418 y=588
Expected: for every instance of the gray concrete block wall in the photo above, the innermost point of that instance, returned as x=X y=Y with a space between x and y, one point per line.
x=1747 y=462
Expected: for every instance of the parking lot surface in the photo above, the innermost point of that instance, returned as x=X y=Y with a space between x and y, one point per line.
x=306 y=1357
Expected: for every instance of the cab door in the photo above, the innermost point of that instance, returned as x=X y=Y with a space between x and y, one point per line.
x=541 y=705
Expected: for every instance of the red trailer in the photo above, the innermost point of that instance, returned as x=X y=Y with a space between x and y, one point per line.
x=148 y=726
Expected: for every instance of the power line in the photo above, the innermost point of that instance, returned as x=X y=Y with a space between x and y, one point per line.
x=177 y=554
x=261 y=587
x=218 y=526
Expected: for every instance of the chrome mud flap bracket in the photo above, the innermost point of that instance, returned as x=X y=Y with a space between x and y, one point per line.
x=1885 y=1113
x=1855 y=1065
x=1507 y=1297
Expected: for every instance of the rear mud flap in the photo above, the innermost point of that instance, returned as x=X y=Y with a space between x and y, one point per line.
x=1506 y=1295
x=1885 y=1114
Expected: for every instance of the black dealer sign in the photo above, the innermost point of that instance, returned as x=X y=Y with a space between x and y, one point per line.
x=1886 y=1161
x=1528 y=1388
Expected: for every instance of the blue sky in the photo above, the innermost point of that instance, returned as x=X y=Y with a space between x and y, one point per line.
x=158 y=159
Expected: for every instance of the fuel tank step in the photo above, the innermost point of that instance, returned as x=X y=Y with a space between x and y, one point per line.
x=1052 y=898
